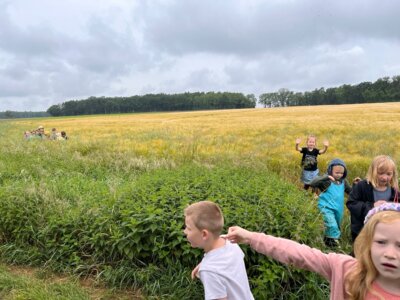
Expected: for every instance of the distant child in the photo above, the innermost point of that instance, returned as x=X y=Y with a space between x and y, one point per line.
x=64 y=135
x=309 y=160
x=222 y=270
x=27 y=135
x=40 y=132
x=373 y=274
x=333 y=185
x=53 y=134
x=379 y=186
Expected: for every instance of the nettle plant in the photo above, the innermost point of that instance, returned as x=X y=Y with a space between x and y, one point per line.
x=133 y=237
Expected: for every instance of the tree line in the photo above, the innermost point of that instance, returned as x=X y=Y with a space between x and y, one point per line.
x=384 y=89
x=9 y=114
x=153 y=102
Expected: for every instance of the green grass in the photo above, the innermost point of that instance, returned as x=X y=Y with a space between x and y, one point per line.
x=29 y=286
x=108 y=203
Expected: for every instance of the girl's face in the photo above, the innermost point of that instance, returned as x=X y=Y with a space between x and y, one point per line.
x=384 y=177
x=311 y=143
x=385 y=253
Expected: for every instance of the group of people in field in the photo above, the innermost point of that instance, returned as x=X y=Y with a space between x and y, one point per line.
x=379 y=187
x=371 y=272
x=41 y=134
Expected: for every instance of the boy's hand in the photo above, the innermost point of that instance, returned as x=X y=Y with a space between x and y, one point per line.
x=195 y=272
x=326 y=143
x=356 y=180
x=331 y=178
x=298 y=141
x=237 y=234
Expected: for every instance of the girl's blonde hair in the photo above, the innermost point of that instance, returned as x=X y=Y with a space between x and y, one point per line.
x=311 y=136
x=358 y=281
x=382 y=163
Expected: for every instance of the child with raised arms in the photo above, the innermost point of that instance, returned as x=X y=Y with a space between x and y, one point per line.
x=309 y=161
x=379 y=186
x=373 y=274
x=222 y=270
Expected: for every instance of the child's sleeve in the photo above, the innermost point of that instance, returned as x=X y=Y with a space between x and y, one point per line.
x=214 y=285
x=357 y=204
x=293 y=253
x=321 y=182
x=347 y=187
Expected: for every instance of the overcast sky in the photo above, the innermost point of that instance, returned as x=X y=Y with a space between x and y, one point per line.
x=55 y=51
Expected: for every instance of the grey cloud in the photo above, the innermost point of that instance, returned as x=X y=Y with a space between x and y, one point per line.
x=41 y=61
x=225 y=26
x=175 y=46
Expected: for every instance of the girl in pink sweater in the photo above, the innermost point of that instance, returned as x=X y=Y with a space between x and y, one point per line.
x=374 y=273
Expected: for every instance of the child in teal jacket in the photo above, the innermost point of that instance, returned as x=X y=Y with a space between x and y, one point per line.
x=333 y=186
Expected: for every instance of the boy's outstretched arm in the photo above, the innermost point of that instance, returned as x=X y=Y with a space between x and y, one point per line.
x=326 y=145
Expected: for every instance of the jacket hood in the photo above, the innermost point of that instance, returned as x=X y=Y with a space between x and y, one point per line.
x=337 y=162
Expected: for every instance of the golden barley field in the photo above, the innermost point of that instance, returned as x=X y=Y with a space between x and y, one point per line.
x=356 y=134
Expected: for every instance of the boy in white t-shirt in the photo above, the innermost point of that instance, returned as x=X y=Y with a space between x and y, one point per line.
x=222 y=270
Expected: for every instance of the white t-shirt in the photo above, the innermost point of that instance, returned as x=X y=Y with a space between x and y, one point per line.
x=223 y=274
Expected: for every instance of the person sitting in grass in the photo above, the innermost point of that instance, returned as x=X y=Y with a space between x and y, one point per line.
x=64 y=135
x=53 y=134
x=27 y=134
x=373 y=274
x=309 y=162
x=222 y=270
x=40 y=132
x=333 y=185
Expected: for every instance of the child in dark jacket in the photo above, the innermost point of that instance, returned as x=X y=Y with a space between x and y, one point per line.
x=379 y=186
x=332 y=185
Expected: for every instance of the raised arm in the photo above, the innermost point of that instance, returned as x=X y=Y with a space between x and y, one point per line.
x=326 y=145
x=298 y=148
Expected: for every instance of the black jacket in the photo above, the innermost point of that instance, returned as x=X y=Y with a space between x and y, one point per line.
x=360 y=201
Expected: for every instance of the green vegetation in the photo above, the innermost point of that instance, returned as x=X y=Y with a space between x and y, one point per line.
x=8 y=114
x=108 y=202
x=153 y=102
x=74 y=208
x=25 y=287
x=384 y=89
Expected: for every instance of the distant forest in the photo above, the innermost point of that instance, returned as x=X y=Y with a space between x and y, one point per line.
x=385 y=89
x=153 y=103
x=8 y=114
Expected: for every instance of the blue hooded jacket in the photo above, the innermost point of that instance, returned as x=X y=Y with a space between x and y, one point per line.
x=323 y=182
x=337 y=162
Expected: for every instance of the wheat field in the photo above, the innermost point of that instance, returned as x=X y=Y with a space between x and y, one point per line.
x=356 y=134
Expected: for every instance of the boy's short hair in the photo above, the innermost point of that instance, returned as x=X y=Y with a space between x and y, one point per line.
x=206 y=215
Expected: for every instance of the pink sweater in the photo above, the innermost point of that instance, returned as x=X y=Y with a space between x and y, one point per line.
x=331 y=266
